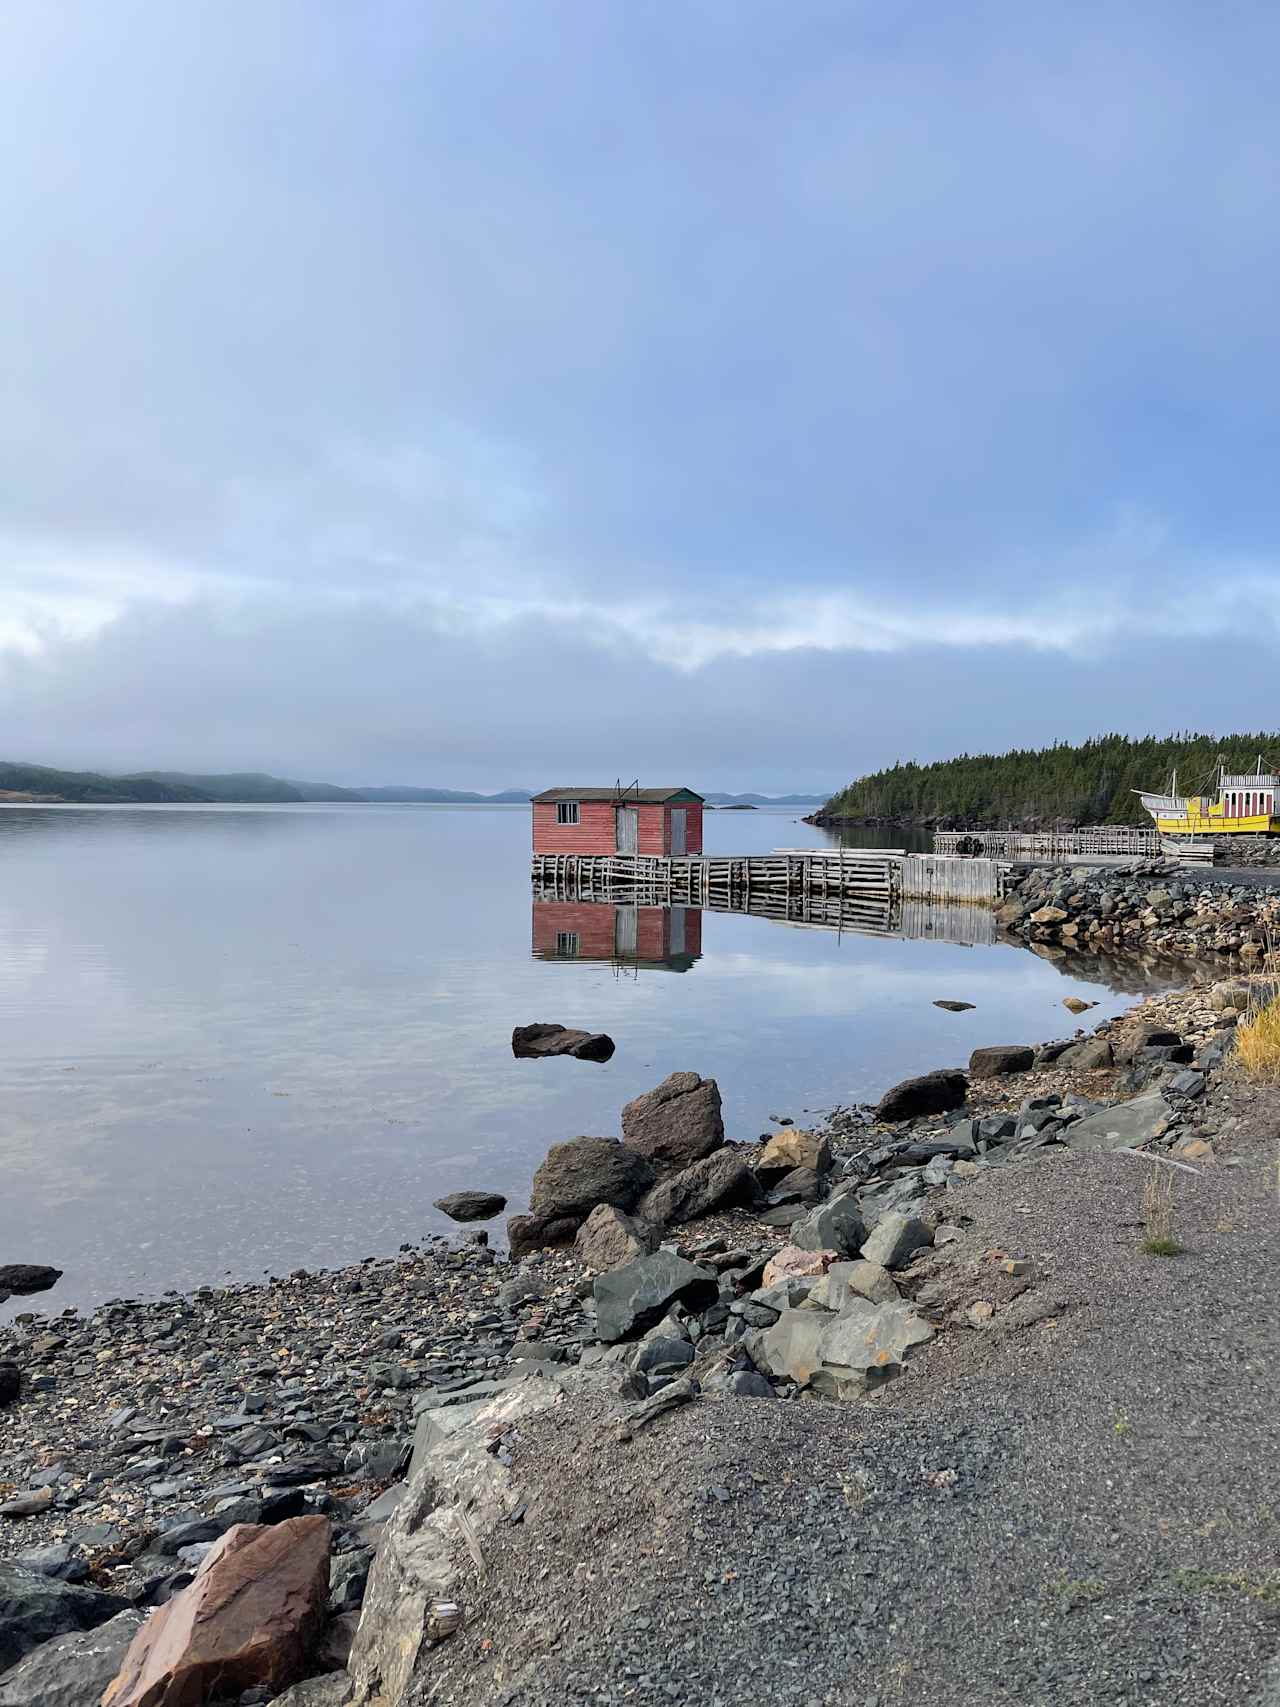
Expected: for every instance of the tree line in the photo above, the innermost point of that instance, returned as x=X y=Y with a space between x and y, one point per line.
x=1091 y=783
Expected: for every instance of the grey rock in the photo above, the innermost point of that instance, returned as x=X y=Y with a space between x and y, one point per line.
x=331 y=1690
x=836 y=1225
x=27 y=1503
x=1127 y=1124
x=71 y=1670
x=675 y=1124
x=633 y=1298
x=416 y=1566
x=1186 y=1084
x=865 y=1345
x=844 y=1281
x=747 y=1384
x=1000 y=1058
x=35 y=1608
x=1093 y=1053
x=471 y=1205
x=61 y=1561
x=528 y=1233
x=894 y=1239
x=534 y=1042
x=718 y=1181
x=663 y=1356
x=610 y=1237
x=930 y=1093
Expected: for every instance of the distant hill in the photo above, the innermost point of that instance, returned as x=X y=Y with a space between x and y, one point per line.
x=246 y=786
x=763 y=799
x=88 y=787
x=259 y=788
x=1087 y=784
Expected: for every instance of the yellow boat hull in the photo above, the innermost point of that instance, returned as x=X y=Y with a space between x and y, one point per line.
x=1204 y=820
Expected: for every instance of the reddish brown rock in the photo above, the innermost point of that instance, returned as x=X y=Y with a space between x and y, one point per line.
x=252 y=1616
x=789 y=1262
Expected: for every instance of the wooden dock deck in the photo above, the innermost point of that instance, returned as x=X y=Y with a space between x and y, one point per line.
x=856 y=878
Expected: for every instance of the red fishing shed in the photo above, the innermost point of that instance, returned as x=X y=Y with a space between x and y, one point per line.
x=663 y=821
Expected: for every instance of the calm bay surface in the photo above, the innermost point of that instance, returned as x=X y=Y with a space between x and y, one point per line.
x=241 y=1040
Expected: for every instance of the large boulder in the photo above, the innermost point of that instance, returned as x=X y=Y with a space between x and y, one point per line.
x=72 y=1670
x=895 y=1238
x=534 y=1042
x=631 y=1299
x=610 y=1237
x=836 y=1225
x=718 y=1181
x=677 y=1123
x=252 y=1616
x=1000 y=1058
x=415 y=1576
x=865 y=1345
x=35 y=1608
x=527 y=1233
x=790 y=1149
x=842 y=1355
x=931 y=1093
x=1088 y=1055
x=582 y=1172
x=1123 y=1127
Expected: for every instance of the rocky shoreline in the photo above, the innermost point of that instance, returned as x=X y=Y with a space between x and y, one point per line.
x=812 y=1264
x=1153 y=905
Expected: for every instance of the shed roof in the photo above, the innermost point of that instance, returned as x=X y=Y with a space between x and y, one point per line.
x=642 y=796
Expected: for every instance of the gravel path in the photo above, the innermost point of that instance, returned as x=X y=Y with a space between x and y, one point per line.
x=1080 y=1510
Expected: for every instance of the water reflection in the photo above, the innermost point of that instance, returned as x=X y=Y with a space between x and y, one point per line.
x=656 y=939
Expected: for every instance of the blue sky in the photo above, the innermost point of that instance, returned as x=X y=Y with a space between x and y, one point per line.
x=746 y=394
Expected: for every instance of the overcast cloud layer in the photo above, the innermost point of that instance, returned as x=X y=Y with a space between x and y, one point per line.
x=738 y=394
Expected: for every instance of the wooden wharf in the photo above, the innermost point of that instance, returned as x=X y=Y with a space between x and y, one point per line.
x=851 y=879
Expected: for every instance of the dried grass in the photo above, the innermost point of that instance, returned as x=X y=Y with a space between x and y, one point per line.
x=1258 y=1042
x=1157 y=1214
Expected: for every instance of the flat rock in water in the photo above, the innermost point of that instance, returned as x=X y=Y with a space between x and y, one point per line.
x=1122 y=1127
x=956 y=1007
x=471 y=1205
x=537 y=1041
x=71 y=1670
x=24 y=1277
x=930 y=1093
x=252 y=1616
x=35 y=1608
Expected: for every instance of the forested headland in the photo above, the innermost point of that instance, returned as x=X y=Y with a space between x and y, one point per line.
x=1091 y=783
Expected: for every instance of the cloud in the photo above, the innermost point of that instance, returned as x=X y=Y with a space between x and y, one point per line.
x=613 y=369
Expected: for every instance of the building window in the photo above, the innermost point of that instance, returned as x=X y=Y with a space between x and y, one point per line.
x=566 y=811
x=567 y=944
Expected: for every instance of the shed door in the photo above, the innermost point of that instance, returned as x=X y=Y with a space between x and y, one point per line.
x=625 y=920
x=679 y=835
x=628 y=829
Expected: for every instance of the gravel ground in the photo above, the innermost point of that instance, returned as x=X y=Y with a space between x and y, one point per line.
x=1079 y=1510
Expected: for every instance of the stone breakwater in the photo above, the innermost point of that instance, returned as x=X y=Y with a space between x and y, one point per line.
x=1157 y=906
x=150 y=1449
x=1246 y=850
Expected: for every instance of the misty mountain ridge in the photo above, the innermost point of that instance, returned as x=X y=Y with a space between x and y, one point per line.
x=260 y=788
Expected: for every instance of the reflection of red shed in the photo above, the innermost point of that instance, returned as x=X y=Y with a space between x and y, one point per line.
x=655 y=937
x=617 y=821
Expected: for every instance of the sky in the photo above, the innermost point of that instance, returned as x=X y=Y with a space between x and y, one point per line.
x=743 y=395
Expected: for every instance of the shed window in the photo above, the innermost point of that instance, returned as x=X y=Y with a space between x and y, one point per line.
x=566 y=811
x=567 y=943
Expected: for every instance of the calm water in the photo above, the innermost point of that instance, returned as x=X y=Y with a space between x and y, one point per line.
x=244 y=1040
